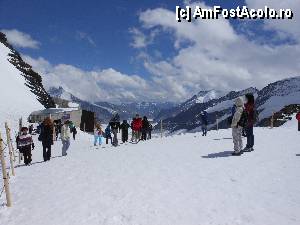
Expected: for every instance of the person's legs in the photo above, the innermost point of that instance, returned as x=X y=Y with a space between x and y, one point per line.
x=250 y=137
x=95 y=139
x=239 y=139
x=29 y=156
x=115 y=138
x=298 y=125
x=204 y=130
x=74 y=135
x=45 y=156
x=123 y=136
x=49 y=152
x=137 y=136
x=63 y=150
x=236 y=137
x=26 y=156
x=100 y=140
x=143 y=136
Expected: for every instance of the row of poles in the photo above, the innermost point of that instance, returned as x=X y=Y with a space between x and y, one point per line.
x=12 y=159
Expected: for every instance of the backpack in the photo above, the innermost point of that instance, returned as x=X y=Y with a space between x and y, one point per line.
x=229 y=119
x=244 y=119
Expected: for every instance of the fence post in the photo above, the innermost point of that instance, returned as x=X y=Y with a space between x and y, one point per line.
x=161 y=128
x=9 y=145
x=217 y=120
x=20 y=124
x=5 y=177
x=272 y=120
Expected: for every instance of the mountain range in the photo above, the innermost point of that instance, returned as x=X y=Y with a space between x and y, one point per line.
x=280 y=99
x=105 y=110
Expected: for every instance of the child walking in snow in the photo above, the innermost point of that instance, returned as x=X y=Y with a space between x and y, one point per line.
x=237 y=128
x=97 y=135
x=108 y=134
x=25 y=145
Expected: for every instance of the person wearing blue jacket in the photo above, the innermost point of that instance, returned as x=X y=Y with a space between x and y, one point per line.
x=108 y=134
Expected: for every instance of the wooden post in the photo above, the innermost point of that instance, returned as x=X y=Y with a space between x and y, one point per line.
x=272 y=120
x=217 y=120
x=161 y=128
x=9 y=145
x=20 y=124
x=5 y=177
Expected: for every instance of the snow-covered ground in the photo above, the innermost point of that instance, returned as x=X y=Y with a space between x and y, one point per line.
x=179 y=180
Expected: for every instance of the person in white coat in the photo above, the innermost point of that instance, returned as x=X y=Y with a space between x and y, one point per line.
x=65 y=137
x=237 y=129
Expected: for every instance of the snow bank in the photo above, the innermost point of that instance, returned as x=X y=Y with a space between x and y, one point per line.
x=16 y=99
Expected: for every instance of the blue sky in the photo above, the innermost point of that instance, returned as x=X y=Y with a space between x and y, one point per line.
x=99 y=35
x=56 y=25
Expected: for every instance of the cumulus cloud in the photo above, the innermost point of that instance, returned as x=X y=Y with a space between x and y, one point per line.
x=20 y=39
x=102 y=85
x=218 y=57
x=209 y=54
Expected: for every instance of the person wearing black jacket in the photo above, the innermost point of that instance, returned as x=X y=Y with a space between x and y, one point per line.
x=124 y=128
x=145 y=128
x=115 y=126
x=150 y=130
x=46 y=137
x=57 y=127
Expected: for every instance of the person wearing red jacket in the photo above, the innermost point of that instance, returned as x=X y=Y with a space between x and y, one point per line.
x=298 y=118
x=136 y=128
x=249 y=108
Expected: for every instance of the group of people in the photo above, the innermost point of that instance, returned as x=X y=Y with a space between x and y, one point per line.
x=242 y=120
x=244 y=116
x=141 y=130
x=46 y=130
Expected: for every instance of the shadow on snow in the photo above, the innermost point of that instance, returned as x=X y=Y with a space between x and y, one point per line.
x=218 y=155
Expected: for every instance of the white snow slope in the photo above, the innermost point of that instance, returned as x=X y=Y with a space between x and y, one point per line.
x=180 y=180
x=15 y=98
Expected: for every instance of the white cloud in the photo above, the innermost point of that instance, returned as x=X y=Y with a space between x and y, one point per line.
x=20 y=39
x=283 y=27
x=140 y=40
x=86 y=37
x=217 y=57
x=103 y=85
x=209 y=55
